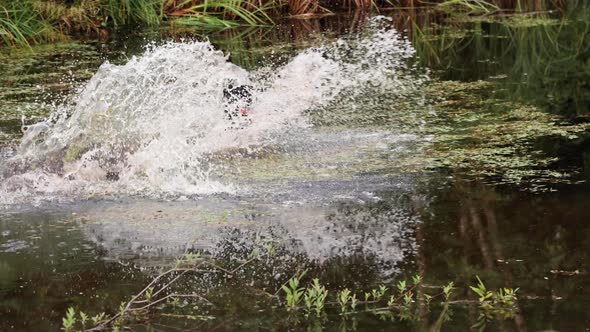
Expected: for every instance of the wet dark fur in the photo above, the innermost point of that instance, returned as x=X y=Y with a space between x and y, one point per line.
x=236 y=97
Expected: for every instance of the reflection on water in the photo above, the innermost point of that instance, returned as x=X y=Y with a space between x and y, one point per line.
x=535 y=242
x=541 y=58
x=46 y=263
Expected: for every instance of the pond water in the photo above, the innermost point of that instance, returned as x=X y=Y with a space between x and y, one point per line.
x=369 y=155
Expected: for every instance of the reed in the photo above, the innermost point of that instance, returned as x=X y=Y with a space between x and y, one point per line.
x=20 y=25
x=218 y=13
x=132 y=11
x=80 y=17
x=14 y=28
x=26 y=21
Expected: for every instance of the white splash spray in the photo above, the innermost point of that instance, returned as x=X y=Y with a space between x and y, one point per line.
x=153 y=126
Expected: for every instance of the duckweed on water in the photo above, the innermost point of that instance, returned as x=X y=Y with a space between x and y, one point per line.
x=491 y=138
x=464 y=128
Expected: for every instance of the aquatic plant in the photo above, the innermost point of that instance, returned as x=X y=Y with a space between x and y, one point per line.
x=343 y=298
x=472 y=131
x=448 y=290
x=221 y=14
x=69 y=320
x=170 y=293
x=20 y=25
x=293 y=293
x=132 y=11
x=314 y=297
x=492 y=304
x=22 y=22
x=470 y=7
x=403 y=303
x=377 y=293
x=33 y=18
x=543 y=57
x=81 y=16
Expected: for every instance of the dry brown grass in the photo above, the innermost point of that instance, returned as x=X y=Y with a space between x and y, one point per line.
x=301 y=7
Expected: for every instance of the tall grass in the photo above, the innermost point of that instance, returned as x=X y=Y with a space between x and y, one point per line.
x=132 y=11
x=29 y=21
x=83 y=16
x=20 y=24
x=218 y=13
x=25 y=21
x=471 y=7
x=15 y=28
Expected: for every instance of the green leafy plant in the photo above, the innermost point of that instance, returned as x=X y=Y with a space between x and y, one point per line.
x=293 y=293
x=401 y=286
x=481 y=291
x=417 y=280
x=469 y=7
x=83 y=319
x=378 y=293
x=507 y=296
x=391 y=301
x=501 y=302
x=408 y=298
x=315 y=297
x=70 y=319
x=448 y=290
x=353 y=302
x=148 y=293
x=343 y=299
x=98 y=318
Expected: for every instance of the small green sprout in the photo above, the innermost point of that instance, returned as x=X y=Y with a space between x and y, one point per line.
x=391 y=301
x=408 y=298
x=188 y=259
x=315 y=297
x=148 y=293
x=122 y=307
x=98 y=318
x=293 y=293
x=481 y=291
x=378 y=293
x=83 y=319
x=353 y=302
x=448 y=290
x=428 y=299
x=270 y=249
x=343 y=298
x=417 y=279
x=401 y=286
x=70 y=319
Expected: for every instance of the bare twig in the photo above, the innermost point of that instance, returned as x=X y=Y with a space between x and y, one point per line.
x=135 y=299
x=170 y=283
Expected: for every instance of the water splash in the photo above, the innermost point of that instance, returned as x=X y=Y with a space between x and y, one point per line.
x=156 y=126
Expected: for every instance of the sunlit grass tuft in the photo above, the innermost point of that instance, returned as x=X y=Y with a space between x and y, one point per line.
x=132 y=11
x=20 y=25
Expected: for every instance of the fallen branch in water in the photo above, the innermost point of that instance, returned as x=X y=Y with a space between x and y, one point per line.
x=148 y=291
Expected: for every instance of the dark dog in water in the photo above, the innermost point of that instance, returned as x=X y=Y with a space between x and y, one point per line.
x=237 y=101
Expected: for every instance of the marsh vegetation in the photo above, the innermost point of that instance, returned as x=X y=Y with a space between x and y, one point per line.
x=33 y=21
